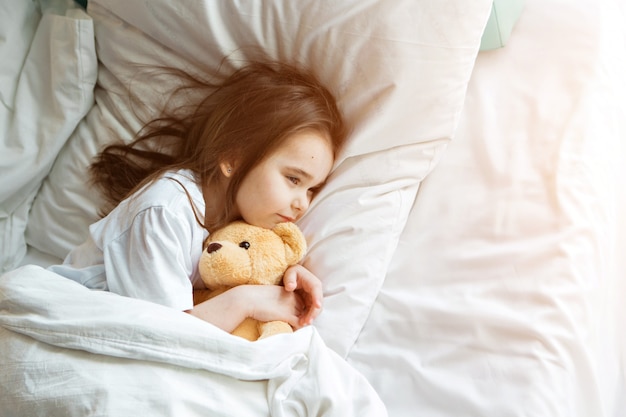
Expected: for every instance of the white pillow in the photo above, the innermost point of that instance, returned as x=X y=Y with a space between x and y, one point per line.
x=399 y=68
x=47 y=74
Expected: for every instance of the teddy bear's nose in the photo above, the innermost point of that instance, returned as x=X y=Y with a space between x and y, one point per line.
x=213 y=247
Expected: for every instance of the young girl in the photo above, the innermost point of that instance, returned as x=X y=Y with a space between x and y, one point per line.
x=257 y=147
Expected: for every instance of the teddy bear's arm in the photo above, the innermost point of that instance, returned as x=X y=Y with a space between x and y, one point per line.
x=271 y=328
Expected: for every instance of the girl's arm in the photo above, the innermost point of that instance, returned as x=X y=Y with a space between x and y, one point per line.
x=261 y=302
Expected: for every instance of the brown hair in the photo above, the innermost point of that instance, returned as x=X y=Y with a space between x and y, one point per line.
x=244 y=118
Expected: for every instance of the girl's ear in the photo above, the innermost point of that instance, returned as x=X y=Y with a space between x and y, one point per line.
x=226 y=168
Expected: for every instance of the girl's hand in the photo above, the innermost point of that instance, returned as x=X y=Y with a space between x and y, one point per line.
x=271 y=303
x=261 y=302
x=301 y=281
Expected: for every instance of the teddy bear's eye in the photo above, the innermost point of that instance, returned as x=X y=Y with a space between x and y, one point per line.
x=245 y=245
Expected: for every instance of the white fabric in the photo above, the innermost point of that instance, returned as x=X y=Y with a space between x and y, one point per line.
x=70 y=351
x=35 y=257
x=399 y=68
x=148 y=247
x=505 y=294
x=47 y=75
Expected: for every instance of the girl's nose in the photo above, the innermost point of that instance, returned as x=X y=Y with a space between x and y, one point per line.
x=301 y=203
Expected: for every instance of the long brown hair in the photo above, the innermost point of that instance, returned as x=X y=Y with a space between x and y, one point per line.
x=245 y=117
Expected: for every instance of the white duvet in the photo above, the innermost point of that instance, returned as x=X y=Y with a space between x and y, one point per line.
x=70 y=351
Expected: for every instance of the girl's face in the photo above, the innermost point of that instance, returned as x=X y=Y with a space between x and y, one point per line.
x=280 y=188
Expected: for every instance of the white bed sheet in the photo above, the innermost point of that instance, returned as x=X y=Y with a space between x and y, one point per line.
x=503 y=298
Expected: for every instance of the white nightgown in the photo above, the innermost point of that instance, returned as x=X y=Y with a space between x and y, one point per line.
x=148 y=247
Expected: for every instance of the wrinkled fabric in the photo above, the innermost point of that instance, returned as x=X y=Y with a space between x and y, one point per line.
x=80 y=349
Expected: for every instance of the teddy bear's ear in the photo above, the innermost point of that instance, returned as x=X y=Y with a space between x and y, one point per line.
x=295 y=243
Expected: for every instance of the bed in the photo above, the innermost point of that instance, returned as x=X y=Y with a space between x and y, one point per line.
x=470 y=239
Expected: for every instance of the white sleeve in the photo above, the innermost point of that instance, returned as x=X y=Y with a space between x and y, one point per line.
x=152 y=259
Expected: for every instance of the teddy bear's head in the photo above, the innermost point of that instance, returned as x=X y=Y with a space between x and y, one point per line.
x=241 y=253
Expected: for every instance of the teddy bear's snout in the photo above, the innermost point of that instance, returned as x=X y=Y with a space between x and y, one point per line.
x=213 y=247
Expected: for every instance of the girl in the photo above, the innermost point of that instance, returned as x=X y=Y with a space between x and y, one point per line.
x=257 y=147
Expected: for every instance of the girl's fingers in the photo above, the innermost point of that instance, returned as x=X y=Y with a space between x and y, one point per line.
x=298 y=277
x=290 y=279
x=301 y=281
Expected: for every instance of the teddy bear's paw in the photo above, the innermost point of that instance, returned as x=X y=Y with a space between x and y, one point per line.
x=271 y=328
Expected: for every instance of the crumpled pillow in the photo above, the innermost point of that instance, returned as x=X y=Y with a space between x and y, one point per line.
x=47 y=75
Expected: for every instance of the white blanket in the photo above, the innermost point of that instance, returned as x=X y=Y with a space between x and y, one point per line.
x=67 y=351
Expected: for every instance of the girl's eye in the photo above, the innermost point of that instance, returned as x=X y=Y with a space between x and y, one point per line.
x=294 y=180
x=245 y=245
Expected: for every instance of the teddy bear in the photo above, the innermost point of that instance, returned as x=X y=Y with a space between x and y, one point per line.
x=240 y=253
